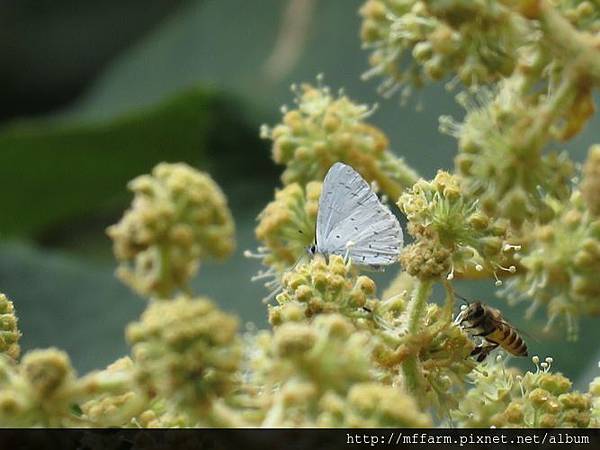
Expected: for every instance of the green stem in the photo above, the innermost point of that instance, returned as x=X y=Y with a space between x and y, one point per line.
x=410 y=367
x=450 y=300
x=417 y=305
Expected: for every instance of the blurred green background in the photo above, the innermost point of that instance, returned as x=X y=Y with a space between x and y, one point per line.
x=95 y=93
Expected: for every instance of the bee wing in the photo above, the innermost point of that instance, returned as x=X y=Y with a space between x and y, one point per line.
x=510 y=325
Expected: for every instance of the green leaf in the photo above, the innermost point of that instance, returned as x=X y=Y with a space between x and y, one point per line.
x=55 y=173
x=65 y=302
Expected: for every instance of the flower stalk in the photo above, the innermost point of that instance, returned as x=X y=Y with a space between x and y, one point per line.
x=416 y=309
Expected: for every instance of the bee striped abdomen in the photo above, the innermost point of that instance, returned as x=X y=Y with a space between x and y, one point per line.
x=520 y=347
x=498 y=335
x=509 y=340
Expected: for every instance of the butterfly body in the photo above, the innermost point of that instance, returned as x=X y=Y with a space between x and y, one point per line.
x=353 y=223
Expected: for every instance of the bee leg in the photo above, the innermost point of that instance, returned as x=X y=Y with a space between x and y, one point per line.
x=477 y=350
x=483 y=350
x=483 y=355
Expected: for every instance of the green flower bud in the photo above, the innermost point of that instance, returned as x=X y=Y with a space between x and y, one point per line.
x=47 y=372
x=546 y=401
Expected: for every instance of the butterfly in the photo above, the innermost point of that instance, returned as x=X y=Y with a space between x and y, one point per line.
x=353 y=223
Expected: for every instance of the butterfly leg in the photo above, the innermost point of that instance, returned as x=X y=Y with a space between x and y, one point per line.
x=349 y=246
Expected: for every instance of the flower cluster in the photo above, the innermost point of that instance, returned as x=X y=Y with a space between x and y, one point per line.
x=9 y=331
x=561 y=265
x=547 y=401
x=178 y=216
x=453 y=236
x=188 y=351
x=287 y=225
x=441 y=353
x=415 y=41
x=494 y=387
x=43 y=390
x=321 y=286
x=324 y=129
x=445 y=357
x=498 y=164
x=325 y=378
x=115 y=410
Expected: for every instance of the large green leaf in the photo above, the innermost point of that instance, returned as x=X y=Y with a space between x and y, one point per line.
x=55 y=173
x=64 y=302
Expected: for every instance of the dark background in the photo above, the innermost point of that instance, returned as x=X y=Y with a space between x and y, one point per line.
x=94 y=93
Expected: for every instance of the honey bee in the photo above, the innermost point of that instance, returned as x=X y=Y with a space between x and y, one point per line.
x=487 y=322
